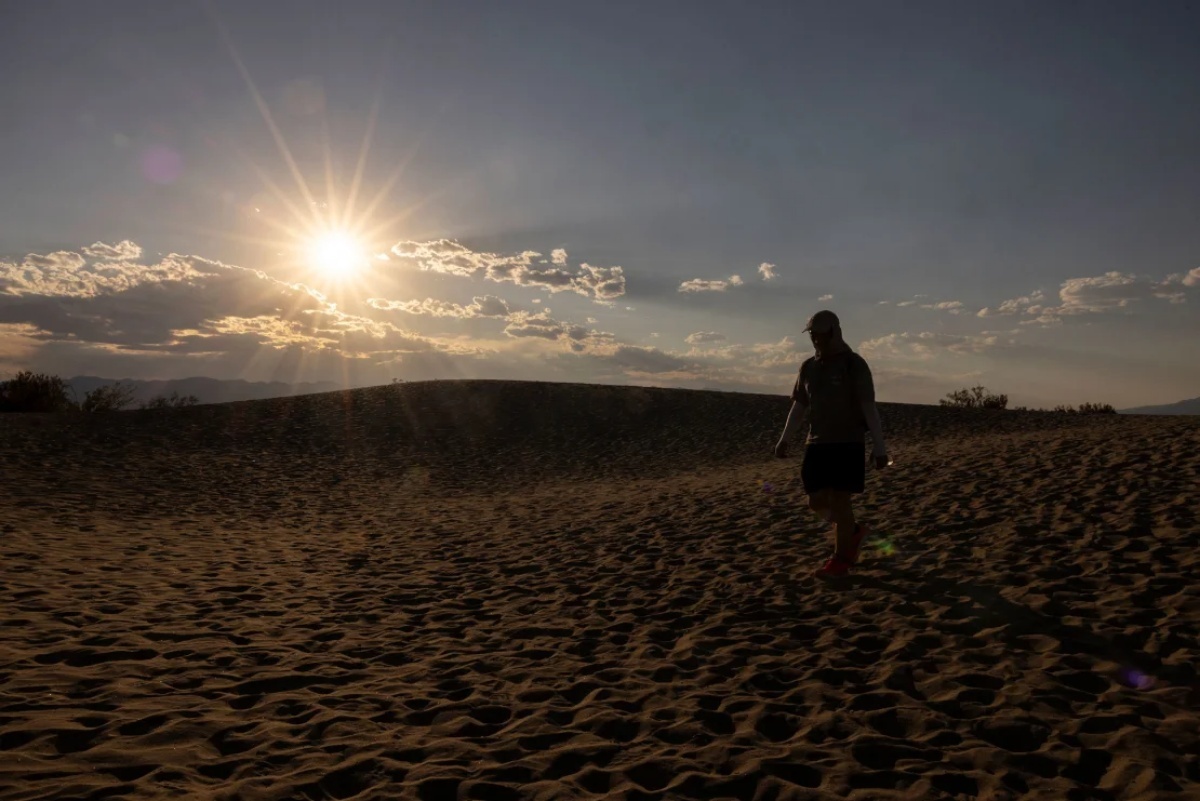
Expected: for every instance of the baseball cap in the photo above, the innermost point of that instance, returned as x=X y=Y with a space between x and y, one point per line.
x=822 y=322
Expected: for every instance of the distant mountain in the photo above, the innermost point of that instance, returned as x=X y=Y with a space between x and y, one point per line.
x=1182 y=407
x=207 y=390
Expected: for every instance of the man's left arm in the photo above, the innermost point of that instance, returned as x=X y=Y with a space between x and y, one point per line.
x=864 y=387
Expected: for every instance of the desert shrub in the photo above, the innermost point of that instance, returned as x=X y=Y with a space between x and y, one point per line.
x=35 y=392
x=176 y=401
x=1086 y=408
x=1096 y=408
x=975 y=398
x=110 y=398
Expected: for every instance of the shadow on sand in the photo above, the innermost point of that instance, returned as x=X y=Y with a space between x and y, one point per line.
x=977 y=607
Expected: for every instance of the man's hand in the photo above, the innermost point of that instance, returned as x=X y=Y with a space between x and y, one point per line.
x=881 y=460
x=781 y=449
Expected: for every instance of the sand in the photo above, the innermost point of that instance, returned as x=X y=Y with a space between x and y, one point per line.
x=504 y=590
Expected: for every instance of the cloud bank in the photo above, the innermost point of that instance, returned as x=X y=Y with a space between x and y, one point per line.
x=1113 y=292
x=451 y=258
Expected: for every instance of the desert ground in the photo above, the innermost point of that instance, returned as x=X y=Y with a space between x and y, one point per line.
x=510 y=590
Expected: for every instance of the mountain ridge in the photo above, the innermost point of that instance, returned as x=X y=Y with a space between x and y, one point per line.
x=206 y=390
x=1191 y=406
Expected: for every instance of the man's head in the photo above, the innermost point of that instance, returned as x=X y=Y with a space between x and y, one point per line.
x=825 y=330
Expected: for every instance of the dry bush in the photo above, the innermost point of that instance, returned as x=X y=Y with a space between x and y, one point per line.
x=35 y=392
x=175 y=401
x=110 y=398
x=975 y=398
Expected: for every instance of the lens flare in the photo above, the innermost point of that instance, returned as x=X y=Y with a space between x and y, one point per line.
x=1132 y=677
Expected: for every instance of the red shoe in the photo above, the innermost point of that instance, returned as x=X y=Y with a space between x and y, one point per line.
x=836 y=566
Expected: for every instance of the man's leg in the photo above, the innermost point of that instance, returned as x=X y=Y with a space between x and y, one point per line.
x=843 y=518
x=819 y=503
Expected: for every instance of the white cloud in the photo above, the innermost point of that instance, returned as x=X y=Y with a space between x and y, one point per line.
x=952 y=306
x=754 y=357
x=1015 y=305
x=182 y=307
x=605 y=283
x=704 y=338
x=542 y=326
x=451 y=258
x=119 y=252
x=1112 y=292
x=1192 y=278
x=824 y=298
x=925 y=345
x=486 y=306
x=704 y=285
x=641 y=359
x=767 y=271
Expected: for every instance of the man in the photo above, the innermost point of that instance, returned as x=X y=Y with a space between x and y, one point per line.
x=835 y=385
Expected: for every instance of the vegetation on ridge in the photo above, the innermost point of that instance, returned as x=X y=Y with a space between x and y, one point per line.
x=37 y=392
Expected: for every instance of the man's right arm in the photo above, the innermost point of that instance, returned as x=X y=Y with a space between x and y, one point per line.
x=799 y=407
x=795 y=419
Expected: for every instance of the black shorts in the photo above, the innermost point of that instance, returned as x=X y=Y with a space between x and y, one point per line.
x=834 y=466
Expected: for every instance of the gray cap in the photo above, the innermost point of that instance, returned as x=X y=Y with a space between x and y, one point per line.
x=822 y=321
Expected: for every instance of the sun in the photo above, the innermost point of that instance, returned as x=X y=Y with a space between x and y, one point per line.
x=337 y=254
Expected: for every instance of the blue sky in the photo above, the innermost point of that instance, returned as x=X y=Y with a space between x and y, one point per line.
x=1002 y=194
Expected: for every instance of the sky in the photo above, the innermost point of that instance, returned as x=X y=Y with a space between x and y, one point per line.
x=996 y=194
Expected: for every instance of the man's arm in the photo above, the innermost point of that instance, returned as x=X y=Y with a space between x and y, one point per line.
x=864 y=388
x=795 y=419
x=875 y=425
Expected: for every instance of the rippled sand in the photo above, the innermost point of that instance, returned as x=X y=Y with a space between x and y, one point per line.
x=518 y=590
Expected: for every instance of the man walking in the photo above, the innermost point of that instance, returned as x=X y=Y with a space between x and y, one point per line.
x=835 y=385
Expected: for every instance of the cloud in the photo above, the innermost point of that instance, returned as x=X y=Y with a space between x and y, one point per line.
x=703 y=285
x=926 y=345
x=17 y=344
x=184 y=306
x=647 y=360
x=541 y=325
x=605 y=283
x=824 y=298
x=1015 y=305
x=704 y=338
x=486 y=306
x=952 y=306
x=66 y=274
x=1112 y=292
x=451 y=258
x=755 y=357
x=122 y=251
x=767 y=271
x=185 y=315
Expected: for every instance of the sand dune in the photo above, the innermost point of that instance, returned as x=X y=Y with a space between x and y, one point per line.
x=500 y=590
